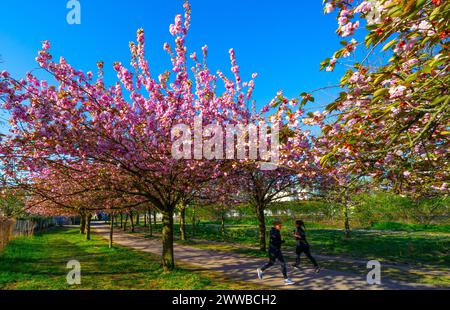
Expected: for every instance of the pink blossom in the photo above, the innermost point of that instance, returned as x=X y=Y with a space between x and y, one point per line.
x=342 y=20
x=329 y=8
x=356 y=77
x=349 y=29
x=396 y=91
x=45 y=45
x=166 y=46
x=175 y=29
x=423 y=27
x=141 y=36
x=364 y=7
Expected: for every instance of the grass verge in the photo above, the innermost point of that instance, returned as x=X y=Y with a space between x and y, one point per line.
x=39 y=263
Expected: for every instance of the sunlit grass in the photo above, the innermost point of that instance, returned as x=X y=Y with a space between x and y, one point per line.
x=39 y=262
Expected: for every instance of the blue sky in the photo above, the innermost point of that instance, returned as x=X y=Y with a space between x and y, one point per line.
x=284 y=41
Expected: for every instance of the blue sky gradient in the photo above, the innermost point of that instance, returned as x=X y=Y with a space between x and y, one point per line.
x=283 y=41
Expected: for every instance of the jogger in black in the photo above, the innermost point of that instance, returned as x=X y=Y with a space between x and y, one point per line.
x=303 y=245
x=275 y=253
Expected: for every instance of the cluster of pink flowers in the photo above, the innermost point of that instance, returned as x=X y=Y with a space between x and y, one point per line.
x=364 y=7
x=349 y=28
x=397 y=91
x=423 y=27
x=403 y=48
x=329 y=8
x=175 y=29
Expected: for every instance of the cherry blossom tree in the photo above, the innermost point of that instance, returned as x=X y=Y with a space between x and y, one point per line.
x=391 y=122
x=297 y=169
x=126 y=127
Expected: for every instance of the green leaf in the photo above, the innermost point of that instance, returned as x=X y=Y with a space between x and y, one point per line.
x=426 y=68
x=324 y=63
x=420 y=3
x=388 y=45
x=380 y=92
x=435 y=12
x=438 y=100
x=332 y=106
x=326 y=158
x=396 y=11
x=378 y=79
x=411 y=77
x=368 y=40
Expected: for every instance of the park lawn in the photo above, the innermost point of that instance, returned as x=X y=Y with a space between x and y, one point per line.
x=398 y=247
x=362 y=246
x=409 y=247
x=410 y=275
x=39 y=262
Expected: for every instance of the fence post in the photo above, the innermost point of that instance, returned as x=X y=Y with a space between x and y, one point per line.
x=6 y=230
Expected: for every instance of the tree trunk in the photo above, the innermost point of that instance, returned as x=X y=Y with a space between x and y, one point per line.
x=194 y=221
x=222 y=223
x=346 y=222
x=145 y=218
x=150 y=226
x=125 y=222
x=121 y=220
x=88 y=226
x=83 y=224
x=154 y=218
x=132 y=221
x=167 y=239
x=183 y=223
x=262 y=227
x=137 y=218
x=111 y=230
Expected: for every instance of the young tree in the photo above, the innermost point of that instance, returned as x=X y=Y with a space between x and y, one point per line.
x=297 y=169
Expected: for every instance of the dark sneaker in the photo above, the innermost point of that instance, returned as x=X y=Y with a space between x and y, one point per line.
x=296 y=266
x=317 y=269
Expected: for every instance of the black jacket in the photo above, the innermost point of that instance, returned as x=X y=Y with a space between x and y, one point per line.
x=302 y=239
x=275 y=239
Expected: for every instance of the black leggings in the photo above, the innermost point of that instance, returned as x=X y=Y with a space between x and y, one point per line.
x=304 y=248
x=273 y=256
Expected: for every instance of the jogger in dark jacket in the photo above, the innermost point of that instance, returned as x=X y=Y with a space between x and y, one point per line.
x=303 y=245
x=275 y=253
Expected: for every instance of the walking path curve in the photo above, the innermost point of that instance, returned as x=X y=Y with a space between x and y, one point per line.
x=243 y=267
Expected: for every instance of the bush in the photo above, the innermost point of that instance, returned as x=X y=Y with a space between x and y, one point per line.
x=388 y=207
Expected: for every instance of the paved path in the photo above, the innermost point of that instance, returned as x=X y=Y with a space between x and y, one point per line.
x=243 y=267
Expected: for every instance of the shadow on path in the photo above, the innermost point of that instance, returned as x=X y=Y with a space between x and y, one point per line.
x=243 y=267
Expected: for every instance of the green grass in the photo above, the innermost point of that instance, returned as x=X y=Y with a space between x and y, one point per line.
x=413 y=247
x=39 y=262
x=385 y=246
x=411 y=227
x=362 y=247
